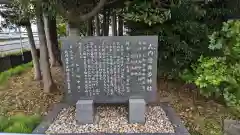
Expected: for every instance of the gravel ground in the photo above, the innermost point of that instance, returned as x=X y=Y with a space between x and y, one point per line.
x=112 y=120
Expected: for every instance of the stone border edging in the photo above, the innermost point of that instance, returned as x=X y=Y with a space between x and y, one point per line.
x=174 y=119
x=47 y=120
x=172 y=116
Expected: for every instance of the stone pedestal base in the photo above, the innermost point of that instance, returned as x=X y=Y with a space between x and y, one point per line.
x=137 y=108
x=84 y=111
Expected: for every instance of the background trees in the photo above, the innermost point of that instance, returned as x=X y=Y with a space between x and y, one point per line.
x=185 y=49
x=176 y=23
x=19 y=15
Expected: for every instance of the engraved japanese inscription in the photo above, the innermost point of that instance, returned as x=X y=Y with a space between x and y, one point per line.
x=110 y=69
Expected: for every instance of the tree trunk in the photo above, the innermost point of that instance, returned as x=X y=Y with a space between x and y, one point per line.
x=73 y=29
x=67 y=29
x=49 y=43
x=105 y=24
x=54 y=42
x=114 y=24
x=90 y=27
x=120 y=25
x=235 y=6
x=36 y=64
x=45 y=66
x=97 y=25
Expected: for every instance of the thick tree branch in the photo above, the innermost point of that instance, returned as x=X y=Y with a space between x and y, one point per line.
x=94 y=11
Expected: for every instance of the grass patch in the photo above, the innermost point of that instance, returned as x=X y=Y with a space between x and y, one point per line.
x=19 y=123
x=14 y=71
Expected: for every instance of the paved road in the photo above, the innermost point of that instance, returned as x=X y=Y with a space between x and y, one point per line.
x=14 y=45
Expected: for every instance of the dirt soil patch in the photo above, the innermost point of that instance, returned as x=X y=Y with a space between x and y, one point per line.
x=200 y=115
x=23 y=94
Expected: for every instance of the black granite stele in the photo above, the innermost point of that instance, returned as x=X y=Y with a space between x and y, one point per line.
x=110 y=69
x=172 y=116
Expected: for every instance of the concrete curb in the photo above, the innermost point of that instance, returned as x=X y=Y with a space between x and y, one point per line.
x=47 y=120
x=174 y=119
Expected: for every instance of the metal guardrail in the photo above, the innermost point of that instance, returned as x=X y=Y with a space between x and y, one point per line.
x=12 y=46
x=12 y=36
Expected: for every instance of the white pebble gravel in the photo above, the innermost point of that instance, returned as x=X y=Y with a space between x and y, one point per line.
x=112 y=120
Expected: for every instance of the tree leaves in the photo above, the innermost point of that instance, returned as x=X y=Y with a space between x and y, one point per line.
x=144 y=11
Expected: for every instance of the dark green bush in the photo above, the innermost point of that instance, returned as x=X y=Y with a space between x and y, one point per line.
x=19 y=123
x=183 y=30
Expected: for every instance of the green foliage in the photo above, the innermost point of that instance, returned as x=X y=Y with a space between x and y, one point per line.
x=18 y=12
x=17 y=128
x=183 y=35
x=228 y=39
x=216 y=77
x=208 y=74
x=3 y=123
x=145 y=11
x=19 y=123
x=219 y=76
x=61 y=29
x=14 y=71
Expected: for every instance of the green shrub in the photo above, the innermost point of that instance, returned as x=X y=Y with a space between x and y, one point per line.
x=61 y=29
x=220 y=76
x=3 y=123
x=4 y=76
x=19 y=123
x=182 y=30
x=13 y=71
x=18 y=128
x=34 y=120
x=208 y=74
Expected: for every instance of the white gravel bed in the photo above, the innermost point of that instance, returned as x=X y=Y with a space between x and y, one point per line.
x=112 y=120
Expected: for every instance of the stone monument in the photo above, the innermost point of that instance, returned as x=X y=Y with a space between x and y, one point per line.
x=110 y=70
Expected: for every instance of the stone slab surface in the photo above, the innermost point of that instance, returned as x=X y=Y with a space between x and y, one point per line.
x=110 y=69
